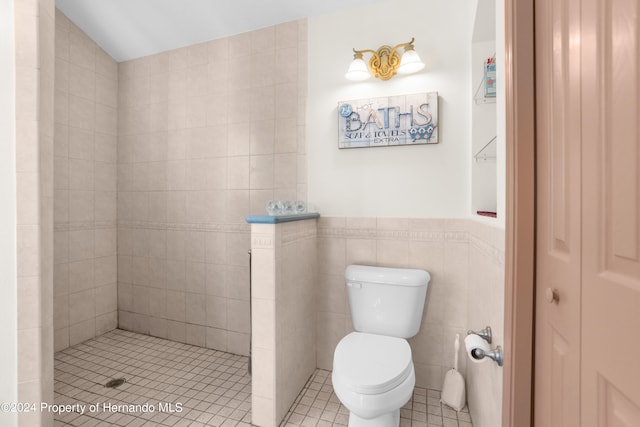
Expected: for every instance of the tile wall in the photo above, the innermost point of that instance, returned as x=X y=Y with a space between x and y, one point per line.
x=486 y=267
x=283 y=296
x=457 y=293
x=34 y=23
x=85 y=147
x=439 y=246
x=207 y=134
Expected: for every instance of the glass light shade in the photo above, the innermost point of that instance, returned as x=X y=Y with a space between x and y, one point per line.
x=410 y=62
x=358 y=70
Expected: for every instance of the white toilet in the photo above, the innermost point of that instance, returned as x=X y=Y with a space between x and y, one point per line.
x=373 y=372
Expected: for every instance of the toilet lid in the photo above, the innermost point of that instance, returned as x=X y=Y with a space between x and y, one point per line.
x=371 y=364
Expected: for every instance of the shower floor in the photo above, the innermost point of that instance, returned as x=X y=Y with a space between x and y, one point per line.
x=185 y=385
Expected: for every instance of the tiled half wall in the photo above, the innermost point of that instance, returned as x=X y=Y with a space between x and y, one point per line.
x=283 y=306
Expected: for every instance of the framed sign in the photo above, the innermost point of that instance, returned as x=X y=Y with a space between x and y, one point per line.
x=395 y=120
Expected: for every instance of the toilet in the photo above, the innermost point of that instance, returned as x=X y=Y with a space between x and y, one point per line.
x=373 y=374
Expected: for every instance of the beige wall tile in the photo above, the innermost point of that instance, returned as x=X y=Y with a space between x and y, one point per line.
x=105 y=270
x=61 y=312
x=81 y=244
x=30 y=314
x=238 y=282
x=196 y=274
x=393 y=253
x=238 y=317
x=176 y=305
x=216 y=312
x=238 y=172
x=158 y=327
x=263 y=372
x=196 y=335
x=157 y=303
x=82 y=331
x=80 y=275
x=176 y=331
x=263 y=321
x=105 y=242
x=216 y=338
x=60 y=339
x=238 y=343
x=196 y=308
x=216 y=280
x=106 y=298
x=29 y=354
x=81 y=306
x=106 y=322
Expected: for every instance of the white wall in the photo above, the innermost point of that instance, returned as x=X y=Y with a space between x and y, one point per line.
x=9 y=301
x=409 y=181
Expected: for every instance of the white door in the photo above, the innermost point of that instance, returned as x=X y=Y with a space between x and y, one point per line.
x=587 y=367
x=611 y=213
x=558 y=227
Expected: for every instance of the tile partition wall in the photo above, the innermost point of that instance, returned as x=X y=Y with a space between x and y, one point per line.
x=283 y=299
x=444 y=248
x=486 y=267
x=207 y=135
x=34 y=82
x=85 y=270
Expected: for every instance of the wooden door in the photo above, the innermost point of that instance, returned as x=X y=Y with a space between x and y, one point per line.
x=611 y=213
x=587 y=370
x=558 y=227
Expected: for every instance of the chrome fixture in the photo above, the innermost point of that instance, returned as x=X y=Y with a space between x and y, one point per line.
x=484 y=334
x=496 y=354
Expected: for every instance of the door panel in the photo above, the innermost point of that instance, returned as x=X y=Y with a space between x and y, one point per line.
x=558 y=227
x=614 y=408
x=587 y=371
x=611 y=229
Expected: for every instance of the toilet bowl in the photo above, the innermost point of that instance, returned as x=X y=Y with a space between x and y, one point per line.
x=373 y=377
x=373 y=373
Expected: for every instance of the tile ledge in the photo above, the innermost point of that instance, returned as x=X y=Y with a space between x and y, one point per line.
x=277 y=219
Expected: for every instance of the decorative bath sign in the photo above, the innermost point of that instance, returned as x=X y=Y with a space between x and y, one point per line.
x=394 y=120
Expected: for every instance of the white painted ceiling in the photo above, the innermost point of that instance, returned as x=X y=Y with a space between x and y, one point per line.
x=128 y=29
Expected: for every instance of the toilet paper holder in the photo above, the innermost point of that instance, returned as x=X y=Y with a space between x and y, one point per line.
x=496 y=354
x=484 y=334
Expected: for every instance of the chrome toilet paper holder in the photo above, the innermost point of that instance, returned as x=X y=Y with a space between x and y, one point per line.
x=496 y=354
x=485 y=334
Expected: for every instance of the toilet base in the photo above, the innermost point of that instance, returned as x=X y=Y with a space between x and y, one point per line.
x=390 y=419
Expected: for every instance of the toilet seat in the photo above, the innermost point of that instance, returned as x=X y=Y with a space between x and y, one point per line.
x=372 y=364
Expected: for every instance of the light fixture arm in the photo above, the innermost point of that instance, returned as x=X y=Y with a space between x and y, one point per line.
x=404 y=46
x=359 y=54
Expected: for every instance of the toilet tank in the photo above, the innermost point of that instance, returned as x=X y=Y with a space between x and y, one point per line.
x=386 y=301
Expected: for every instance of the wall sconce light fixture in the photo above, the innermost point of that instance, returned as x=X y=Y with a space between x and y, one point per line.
x=385 y=62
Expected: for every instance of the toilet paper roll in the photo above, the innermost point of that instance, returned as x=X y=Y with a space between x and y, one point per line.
x=472 y=342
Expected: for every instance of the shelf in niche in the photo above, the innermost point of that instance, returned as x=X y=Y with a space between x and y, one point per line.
x=482 y=98
x=487 y=152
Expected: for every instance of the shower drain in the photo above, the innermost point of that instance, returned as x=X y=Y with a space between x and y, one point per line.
x=116 y=382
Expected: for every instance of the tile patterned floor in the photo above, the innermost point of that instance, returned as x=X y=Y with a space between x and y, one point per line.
x=318 y=406
x=212 y=388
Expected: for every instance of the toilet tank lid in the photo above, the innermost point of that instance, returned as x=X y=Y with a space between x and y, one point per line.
x=386 y=275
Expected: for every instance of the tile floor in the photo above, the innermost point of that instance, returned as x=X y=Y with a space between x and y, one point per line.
x=318 y=406
x=185 y=385
x=212 y=387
